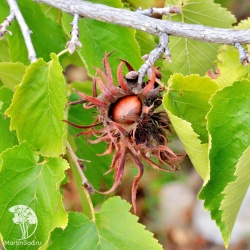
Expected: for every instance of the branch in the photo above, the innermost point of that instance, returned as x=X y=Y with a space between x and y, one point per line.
x=150 y=25
x=71 y=45
x=6 y=23
x=154 y=55
x=80 y=166
x=24 y=28
x=87 y=187
x=160 y=11
x=244 y=56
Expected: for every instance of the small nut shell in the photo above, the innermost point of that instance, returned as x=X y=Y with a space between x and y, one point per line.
x=126 y=110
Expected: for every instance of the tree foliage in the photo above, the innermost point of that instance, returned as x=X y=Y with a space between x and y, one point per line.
x=210 y=116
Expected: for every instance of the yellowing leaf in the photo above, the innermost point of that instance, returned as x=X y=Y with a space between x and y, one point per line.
x=187 y=104
x=188 y=98
x=230 y=66
x=235 y=192
x=229 y=63
x=11 y=74
x=197 y=152
x=38 y=107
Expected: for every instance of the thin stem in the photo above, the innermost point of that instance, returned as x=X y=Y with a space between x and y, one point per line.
x=244 y=56
x=74 y=42
x=87 y=187
x=62 y=52
x=6 y=23
x=24 y=28
x=160 y=11
x=154 y=55
x=75 y=159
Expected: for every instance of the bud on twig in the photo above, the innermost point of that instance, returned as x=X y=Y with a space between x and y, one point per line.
x=154 y=55
x=160 y=11
x=74 y=42
x=6 y=23
x=244 y=56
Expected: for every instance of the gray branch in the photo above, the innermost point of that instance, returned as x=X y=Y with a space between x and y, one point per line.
x=244 y=56
x=160 y=11
x=154 y=55
x=6 y=23
x=24 y=28
x=150 y=25
x=74 y=42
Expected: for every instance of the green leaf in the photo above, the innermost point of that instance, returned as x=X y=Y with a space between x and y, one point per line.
x=235 y=192
x=100 y=37
x=224 y=3
x=188 y=98
x=146 y=42
x=11 y=74
x=229 y=63
x=4 y=11
x=37 y=109
x=112 y=3
x=53 y=13
x=113 y=228
x=190 y=56
x=229 y=129
x=244 y=24
x=17 y=48
x=29 y=180
x=7 y=138
x=146 y=4
x=187 y=105
x=4 y=48
x=196 y=150
x=230 y=66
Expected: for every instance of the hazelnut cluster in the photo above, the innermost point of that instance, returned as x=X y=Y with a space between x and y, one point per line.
x=128 y=123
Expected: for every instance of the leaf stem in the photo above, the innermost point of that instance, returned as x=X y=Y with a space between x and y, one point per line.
x=244 y=56
x=154 y=55
x=74 y=42
x=6 y=23
x=62 y=52
x=87 y=187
